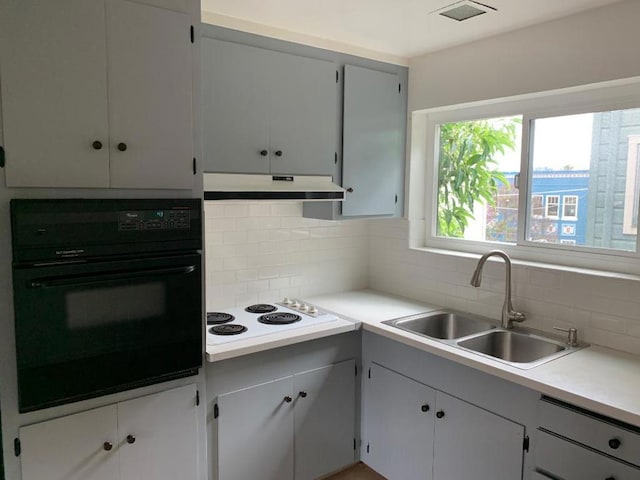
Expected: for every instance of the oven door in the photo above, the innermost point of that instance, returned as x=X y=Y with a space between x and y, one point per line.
x=88 y=329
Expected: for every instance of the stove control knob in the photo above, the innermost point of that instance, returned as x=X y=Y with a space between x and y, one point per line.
x=287 y=301
x=304 y=307
x=313 y=310
x=295 y=304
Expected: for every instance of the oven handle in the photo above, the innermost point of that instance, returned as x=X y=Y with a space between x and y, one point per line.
x=108 y=277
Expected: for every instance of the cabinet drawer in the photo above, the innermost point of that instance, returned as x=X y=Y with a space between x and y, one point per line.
x=614 y=439
x=570 y=461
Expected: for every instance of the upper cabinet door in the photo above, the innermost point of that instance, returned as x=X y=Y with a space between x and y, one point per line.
x=54 y=86
x=158 y=436
x=150 y=95
x=372 y=141
x=234 y=108
x=303 y=114
x=83 y=446
x=324 y=420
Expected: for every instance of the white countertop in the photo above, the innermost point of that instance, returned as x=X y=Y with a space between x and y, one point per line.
x=599 y=379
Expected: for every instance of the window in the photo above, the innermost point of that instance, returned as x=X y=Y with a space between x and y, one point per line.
x=552 y=206
x=554 y=176
x=570 y=207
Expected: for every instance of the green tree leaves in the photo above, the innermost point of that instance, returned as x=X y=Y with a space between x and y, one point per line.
x=467 y=169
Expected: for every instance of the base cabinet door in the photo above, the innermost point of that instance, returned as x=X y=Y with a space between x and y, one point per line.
x=158 y=435
x=473 y=443
x=152 y=437
x=398 y=425
x=324 y=420
x=83 y=446
x=255 y=432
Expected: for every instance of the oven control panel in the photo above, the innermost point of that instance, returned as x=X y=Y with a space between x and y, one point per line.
x=154 y=220
x=300 y=306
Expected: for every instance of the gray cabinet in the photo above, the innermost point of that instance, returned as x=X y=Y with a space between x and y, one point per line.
x=373 y=141
x=398 y=425
x=574 y=444
x=149 y=437
x=297 y=427
x=97 y=93
x=412 y=431
x=267 y=111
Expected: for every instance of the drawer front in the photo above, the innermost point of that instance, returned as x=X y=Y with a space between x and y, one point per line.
x=567 y=460
x=596 y=433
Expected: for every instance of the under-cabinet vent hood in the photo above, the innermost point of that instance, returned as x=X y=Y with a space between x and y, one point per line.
x=225 y=186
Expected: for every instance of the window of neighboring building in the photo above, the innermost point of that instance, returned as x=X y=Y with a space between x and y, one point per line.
x=511 y=175
x=569 y=207
x=553 y=203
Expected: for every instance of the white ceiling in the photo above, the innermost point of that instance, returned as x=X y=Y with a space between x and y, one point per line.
x=402 y=28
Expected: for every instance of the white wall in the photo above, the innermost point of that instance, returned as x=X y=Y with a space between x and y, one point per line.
x=590 y=47
x=263 y=251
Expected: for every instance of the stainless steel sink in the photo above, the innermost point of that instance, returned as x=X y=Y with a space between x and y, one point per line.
x=442 y=325
x=519 y=347
x=513 y=347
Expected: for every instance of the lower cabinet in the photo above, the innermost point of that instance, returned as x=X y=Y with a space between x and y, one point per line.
x=298 y=427
x=414 y=432
x=152 y=437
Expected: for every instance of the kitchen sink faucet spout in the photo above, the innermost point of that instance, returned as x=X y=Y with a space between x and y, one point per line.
x=509 y=315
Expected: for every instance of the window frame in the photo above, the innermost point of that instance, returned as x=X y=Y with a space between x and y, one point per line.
x=614 y=95
x=548 y=203
x=570 y=218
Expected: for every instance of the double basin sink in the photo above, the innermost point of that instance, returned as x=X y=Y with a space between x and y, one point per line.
x=519 y=347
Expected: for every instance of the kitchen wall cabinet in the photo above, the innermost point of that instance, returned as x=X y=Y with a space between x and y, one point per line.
x=414 y=431
x=149 y=437
x=266 y=111
x=98 y=94
x=297 y=427
x=373 y=138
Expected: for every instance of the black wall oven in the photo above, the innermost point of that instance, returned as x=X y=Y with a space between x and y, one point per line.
x=107 y=295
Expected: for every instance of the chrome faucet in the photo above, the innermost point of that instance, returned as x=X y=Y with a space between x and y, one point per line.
x=509 y=315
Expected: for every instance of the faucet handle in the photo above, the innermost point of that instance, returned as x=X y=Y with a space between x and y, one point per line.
x=572 y=335
x=517 y=316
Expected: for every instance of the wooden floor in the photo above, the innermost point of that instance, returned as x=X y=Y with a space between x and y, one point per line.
x=358 y=472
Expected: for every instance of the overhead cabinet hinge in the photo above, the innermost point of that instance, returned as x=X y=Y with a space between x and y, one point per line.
x=17 y=447
x=216 y=411
x=192 y=34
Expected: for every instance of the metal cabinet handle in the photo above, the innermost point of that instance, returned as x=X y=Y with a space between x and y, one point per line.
x=288 y=399
x=131 y=439
x=97 y=145
x=107 y=446
x=440 y=414
x=610 y=478
x=303 y=394
x=264 y=153
x=122 y=146
x=424 y=408
x=278 y=153
x=615 y=443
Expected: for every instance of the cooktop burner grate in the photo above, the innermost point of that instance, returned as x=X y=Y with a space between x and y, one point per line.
x=279 y=318
x=217 y=318
x=261 y=308
x=228 y=329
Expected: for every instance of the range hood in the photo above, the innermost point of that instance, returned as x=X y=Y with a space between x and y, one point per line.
x=226 y=186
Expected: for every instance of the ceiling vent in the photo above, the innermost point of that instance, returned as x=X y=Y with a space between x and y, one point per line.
x=464 y=10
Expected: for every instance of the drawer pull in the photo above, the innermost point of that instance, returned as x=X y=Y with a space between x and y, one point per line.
x=424 y=408
x=615 y=444
x=610 y=478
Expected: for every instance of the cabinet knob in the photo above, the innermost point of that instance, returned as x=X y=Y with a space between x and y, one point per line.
x=122 y=146
x=350 y=189
x=615 y=443
x=278 y=153
x=107 y=446
x=424 y=408
x=440 y=414
x=303 y=394
x=264 y=153
x=97 y=145
x=288 y=399
x=131 y=439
